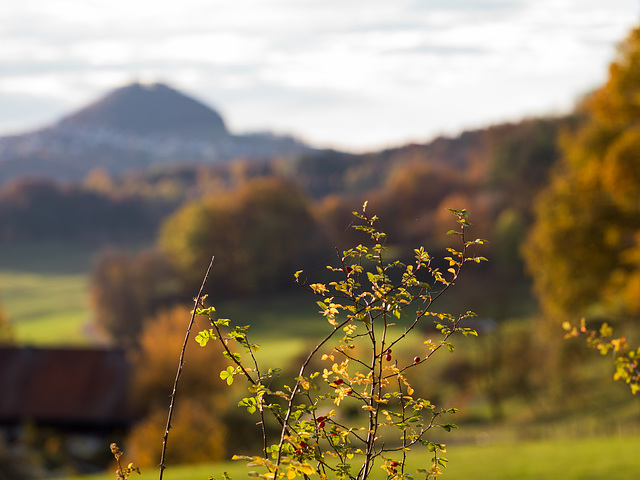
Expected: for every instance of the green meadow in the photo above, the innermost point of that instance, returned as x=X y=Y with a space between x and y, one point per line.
x=44 y=288
x=583 y=459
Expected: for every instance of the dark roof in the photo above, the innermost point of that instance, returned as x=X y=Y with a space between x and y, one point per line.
x=64 y=386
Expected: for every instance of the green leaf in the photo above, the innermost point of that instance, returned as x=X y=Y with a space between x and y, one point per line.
x=205 y=311
x=202 y=338
x=228 y=375
x=250 y=403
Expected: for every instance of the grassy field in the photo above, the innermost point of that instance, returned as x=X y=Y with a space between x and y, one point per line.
x=585 y=459
x=44 y=290
x=47 y=308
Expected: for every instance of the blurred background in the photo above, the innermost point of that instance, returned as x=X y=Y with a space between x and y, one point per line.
x=138 y=139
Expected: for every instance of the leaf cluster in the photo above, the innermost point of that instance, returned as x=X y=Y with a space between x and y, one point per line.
x=626 y=359
x=122 y=473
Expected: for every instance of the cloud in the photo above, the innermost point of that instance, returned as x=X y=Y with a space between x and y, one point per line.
x=468 y=5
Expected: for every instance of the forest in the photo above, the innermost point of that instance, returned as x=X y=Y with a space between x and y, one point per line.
x=557 y=200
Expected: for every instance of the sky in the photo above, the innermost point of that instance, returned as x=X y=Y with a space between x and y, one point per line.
x=356 y=75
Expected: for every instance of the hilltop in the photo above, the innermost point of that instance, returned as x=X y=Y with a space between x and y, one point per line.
x=149 y=109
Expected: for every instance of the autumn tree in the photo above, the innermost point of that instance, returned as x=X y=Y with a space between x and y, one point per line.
x=260 y=233
x=198 y=431
x=126 y=288
x=584 y=250
x=412 y=194
x=7 y=335
x=99 y=180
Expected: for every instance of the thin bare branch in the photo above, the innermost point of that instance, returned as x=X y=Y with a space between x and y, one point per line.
x=180 y=365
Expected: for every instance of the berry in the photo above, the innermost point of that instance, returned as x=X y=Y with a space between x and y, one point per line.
x=321 y=419
x=416 y=359
x=321 y=425
x=388 y=357
x=339 y=381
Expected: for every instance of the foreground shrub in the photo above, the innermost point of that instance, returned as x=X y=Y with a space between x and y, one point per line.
x=360 y=410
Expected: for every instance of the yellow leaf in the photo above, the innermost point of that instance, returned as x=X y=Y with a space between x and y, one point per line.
x=307 y=469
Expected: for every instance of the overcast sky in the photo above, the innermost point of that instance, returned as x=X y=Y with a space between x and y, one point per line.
x=352 y=74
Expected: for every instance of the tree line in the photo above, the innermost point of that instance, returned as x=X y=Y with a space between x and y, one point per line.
x=264 y=222
x=37 y=210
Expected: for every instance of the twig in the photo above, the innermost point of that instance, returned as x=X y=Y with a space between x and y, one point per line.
x=180 y=364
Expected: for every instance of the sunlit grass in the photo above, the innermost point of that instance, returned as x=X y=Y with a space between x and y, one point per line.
x=567 y=459
x=583 y=459
x=69 y=328
x=46 y=309
x=43 y=288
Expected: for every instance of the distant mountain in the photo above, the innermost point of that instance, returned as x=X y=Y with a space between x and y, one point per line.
x=140 y=109
x=133 y=128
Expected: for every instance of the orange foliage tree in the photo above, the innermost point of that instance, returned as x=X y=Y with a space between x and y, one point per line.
x=584 y=250
x=6 y=328
x=198 y=432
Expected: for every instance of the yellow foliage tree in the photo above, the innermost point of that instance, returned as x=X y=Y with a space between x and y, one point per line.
x=260 y=233
x=584 y=249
